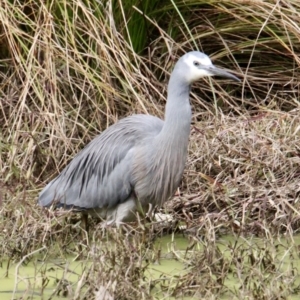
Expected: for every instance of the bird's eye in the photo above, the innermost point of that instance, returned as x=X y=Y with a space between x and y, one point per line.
x=196 y=63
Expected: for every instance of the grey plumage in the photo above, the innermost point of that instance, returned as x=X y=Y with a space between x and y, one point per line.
x=137 y=161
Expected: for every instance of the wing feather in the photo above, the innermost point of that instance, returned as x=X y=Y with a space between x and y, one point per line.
x=100 y=175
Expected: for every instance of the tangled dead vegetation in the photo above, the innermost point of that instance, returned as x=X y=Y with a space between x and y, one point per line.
x=243 y=172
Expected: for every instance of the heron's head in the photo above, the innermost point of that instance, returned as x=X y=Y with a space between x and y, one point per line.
x=195 y=65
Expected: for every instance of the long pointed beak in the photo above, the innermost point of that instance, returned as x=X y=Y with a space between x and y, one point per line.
x=222 y=73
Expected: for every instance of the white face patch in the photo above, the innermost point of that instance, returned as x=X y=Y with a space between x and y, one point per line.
x=197 y=72
x=205 y=60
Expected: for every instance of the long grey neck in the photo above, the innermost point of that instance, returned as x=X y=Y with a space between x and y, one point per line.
x=176 y=129
x=170 y=145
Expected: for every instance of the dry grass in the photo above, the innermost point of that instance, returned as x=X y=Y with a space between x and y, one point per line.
x=68 y=70
x=244 y=171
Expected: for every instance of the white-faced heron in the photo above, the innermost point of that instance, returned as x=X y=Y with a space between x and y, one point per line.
x=137 y=162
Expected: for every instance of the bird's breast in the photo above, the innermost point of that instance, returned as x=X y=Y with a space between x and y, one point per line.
x=157 y=173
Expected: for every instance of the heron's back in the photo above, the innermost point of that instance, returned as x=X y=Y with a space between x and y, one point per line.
x=101 y=174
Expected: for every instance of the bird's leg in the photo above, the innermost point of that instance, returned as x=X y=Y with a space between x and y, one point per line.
x=84 y=221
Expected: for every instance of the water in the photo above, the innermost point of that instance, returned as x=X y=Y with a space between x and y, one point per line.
x=248 y=264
